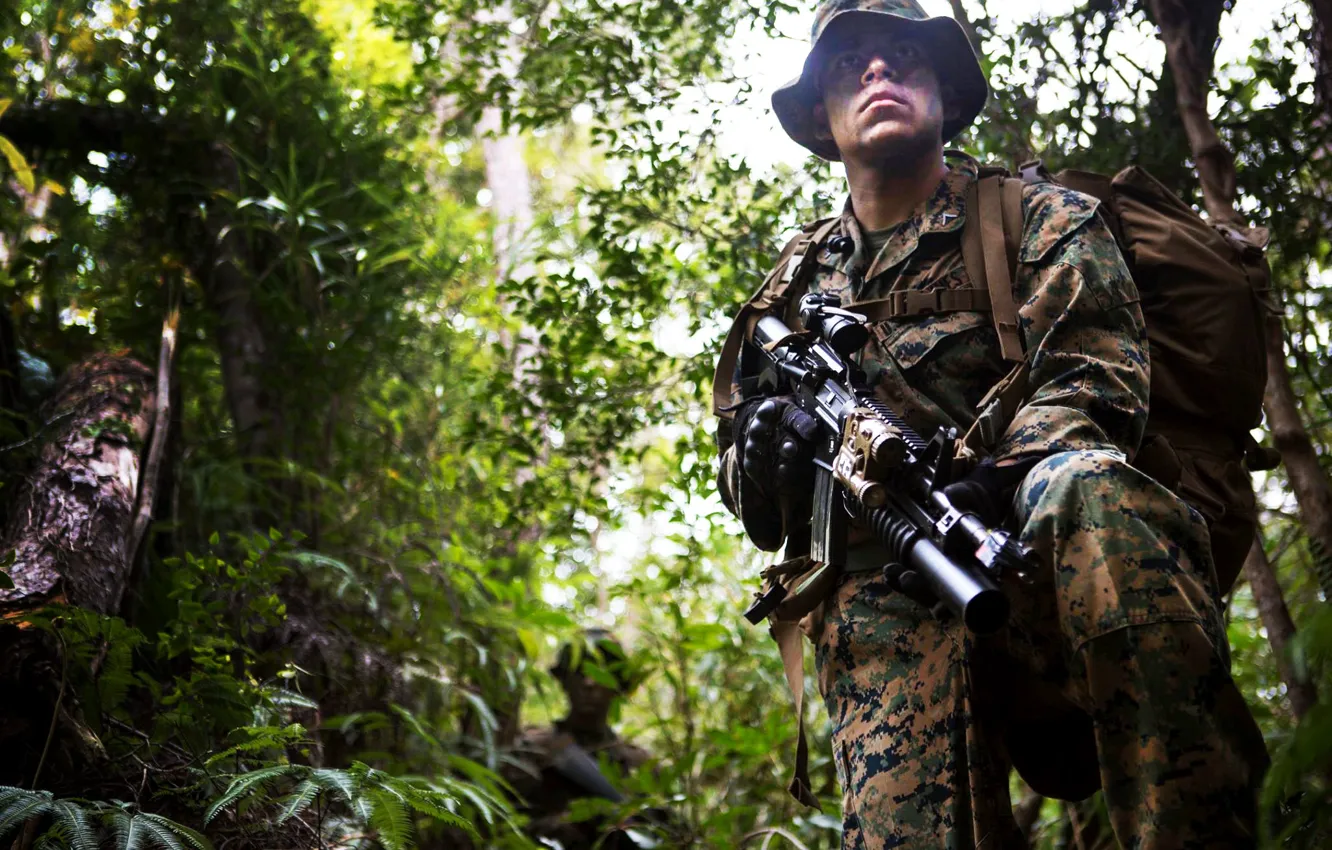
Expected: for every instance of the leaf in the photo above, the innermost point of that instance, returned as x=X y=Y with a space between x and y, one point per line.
x=192 y=838
x=248 y=783
x=20 y=808
x=19 y=164
x=388 y=817
x=298 y=800
x=82 y=836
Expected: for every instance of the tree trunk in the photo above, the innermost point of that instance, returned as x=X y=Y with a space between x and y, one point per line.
x=1313 y=491
x=1280 y=627
x=510 y=186
x=1189 y=29
x=240 y=335
x=1184 y=29
x=1322 y=46
x=68 y=538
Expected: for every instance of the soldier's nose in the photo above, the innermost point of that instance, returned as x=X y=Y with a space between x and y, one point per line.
x=878 y=69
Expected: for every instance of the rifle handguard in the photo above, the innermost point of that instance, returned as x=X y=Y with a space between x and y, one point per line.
x=870 y=449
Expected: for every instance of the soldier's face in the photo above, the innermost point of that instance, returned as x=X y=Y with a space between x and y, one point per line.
x=881 y=98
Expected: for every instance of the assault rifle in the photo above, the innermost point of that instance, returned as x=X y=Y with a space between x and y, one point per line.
x=872 y=468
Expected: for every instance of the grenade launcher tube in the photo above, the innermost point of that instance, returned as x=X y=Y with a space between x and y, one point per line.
x=967 y=593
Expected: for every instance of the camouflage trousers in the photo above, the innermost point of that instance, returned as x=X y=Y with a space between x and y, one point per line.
x=1114 y=671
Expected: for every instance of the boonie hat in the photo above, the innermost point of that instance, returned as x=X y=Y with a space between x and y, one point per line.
x=945 y=44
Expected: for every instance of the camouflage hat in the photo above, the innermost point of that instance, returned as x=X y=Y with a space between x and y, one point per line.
x=945 y=42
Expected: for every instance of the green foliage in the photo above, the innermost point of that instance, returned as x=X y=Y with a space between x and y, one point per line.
x=338 y=633
x=1296 y=792
x=82 y=824
x=372 y=798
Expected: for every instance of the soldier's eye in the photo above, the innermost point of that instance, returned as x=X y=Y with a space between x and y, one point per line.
x=846 y=61
x=906 y=52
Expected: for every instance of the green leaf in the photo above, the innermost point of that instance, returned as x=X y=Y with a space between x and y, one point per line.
x=298 y=800
x=388 y=817
x=190 y=837
x=19 y=164
x=248 y=783
x=82 y=836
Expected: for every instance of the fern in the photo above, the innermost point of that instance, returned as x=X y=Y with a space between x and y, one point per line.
x=74 y=817
x=144 y=831
x=247 y=783
x=381 y=801
x=260 y=739
x=17 y=806
x=299 y=800
x=78 y=824
x=388 y=817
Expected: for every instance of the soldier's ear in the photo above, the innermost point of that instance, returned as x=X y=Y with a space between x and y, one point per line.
x=822 y=129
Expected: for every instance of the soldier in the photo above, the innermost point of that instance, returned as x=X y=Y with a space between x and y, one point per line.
x=1114 y=669
x=558 y=765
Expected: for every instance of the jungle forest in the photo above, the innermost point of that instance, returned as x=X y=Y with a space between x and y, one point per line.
x=357 y=355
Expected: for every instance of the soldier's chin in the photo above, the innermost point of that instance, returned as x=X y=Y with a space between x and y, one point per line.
x=893 y=143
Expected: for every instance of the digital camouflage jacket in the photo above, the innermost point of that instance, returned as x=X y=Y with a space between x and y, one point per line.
x=1080 y=324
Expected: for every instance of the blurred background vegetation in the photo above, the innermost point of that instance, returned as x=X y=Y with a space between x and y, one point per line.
x=441 y=283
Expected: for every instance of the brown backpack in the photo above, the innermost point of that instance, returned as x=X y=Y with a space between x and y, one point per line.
x=1205 y=290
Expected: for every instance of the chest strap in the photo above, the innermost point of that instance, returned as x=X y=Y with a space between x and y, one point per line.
x=915 y=302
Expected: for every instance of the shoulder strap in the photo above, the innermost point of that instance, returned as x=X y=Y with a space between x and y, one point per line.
x=791 y=269
x=991 y=238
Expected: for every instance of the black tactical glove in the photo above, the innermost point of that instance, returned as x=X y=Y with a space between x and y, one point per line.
x=988 y=491
x=775 y=446
x=769 y=479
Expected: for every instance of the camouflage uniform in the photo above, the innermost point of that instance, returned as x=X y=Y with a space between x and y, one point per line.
x=1114 y=669
x=1123 y=625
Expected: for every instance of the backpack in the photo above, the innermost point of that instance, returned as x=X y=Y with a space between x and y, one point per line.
x=1206 y=298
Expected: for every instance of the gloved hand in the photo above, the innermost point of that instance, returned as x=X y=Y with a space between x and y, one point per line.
x=775 y=442
x=989 y=489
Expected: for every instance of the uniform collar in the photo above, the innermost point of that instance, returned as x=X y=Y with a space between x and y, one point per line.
x=943 y=212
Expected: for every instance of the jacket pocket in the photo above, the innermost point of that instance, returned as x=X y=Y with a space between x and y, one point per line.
x=912 y=342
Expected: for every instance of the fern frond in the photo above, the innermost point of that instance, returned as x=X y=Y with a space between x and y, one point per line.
x=32 y=804
x=55 y=838
x=432 y=804
x=247 y=783
x=82 y=835
x=261 y=738
x=171 y=836
x=485 y=804
x=130 y=834
x=8 y=794
x=388 y=817
x=299 y=800
x=340 y=781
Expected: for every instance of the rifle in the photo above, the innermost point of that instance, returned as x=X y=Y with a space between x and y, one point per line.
x=872 y=468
